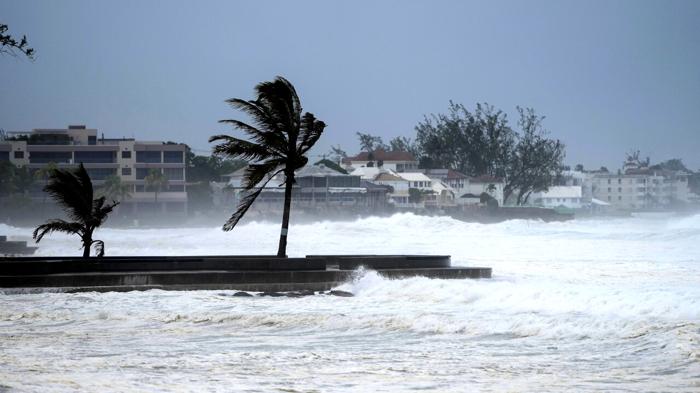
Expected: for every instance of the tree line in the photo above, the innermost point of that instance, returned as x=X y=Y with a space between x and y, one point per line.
x=482 y=142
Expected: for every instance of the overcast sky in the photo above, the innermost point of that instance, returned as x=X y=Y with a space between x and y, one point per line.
x=609 y=76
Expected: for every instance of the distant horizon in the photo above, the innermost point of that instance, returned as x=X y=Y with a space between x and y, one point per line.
x=608 y=77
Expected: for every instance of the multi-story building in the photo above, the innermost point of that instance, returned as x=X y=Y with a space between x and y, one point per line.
x=316 y=188
x=129 y=159
x=641 y=189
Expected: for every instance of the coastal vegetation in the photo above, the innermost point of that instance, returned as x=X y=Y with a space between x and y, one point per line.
x=11 y=45
x=72 y=190
x=156 y=182
x=280 y=138
x=483 y=142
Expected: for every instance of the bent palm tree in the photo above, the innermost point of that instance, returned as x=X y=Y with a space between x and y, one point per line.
x=73 y=191
x=281 y=137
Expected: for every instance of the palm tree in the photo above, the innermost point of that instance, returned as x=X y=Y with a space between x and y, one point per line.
x=156 y=181
x=73 y=191
x=42 y=174
x=281 y=136
x=113 y=188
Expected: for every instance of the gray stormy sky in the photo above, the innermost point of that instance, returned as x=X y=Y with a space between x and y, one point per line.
x=610 y=76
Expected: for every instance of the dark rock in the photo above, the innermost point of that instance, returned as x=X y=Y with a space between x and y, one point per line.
x=272 y=294
x=242 y=294
x=300 y=293
x=341 y=293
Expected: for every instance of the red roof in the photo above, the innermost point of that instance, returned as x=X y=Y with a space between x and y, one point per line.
x=383 y=156
x=452 y=175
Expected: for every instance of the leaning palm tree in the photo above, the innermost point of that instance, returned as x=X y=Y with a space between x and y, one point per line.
x=73 y=191
x=281 y=136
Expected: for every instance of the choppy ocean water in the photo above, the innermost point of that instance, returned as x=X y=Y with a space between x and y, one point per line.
x=589 y=305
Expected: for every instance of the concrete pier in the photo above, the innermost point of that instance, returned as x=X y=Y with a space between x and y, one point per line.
x=246 y=273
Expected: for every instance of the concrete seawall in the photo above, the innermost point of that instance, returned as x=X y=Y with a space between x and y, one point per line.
x=248 y=273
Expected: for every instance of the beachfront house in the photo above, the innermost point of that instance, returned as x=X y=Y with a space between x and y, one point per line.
x=570 y=197
x=397 y=161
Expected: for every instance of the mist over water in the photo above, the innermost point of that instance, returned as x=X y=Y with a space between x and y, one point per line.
x=610 y=305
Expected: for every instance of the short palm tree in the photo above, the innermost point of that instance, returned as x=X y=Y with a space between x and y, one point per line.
x=73 y=191
x=114 y=188
x=156 y=181
x=281 y=136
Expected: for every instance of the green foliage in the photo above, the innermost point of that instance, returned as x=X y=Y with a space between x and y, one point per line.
x=337 y=154
x=156 y=181
x=674 y=164
x=280 y=136
x=9 y=44
x=482 y=142
x=72 y=190
x=114 y=189
x=13 y=179
x=416 y=195
x=370 y=143
x=401 y=143
x=210 y=168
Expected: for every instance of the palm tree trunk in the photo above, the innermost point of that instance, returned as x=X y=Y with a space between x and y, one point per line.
x=289 y=182
x=87 y=243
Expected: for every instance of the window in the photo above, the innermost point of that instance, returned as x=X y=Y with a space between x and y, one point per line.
x=141 y=173
x=101 y=173
x=126 y=154
x=126 y=171
x=619 y=189
x=4 y=156
x=609 y=189
x=619 y=198
x=174 y=173
x=619 y=181
x=43 y=157
x=95 y=157
x=608 y=181
x=172 y=157
x=19 y=155
x=92 y=139
x=148 y=156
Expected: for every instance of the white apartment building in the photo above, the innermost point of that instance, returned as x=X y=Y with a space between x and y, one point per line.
x=641 y=189
x=129 y=159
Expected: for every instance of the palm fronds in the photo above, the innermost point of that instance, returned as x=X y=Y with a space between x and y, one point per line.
x=56 y=225
x=279 y=138
x=73 y=191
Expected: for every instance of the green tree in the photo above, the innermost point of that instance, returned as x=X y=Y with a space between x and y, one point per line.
x=281 y=136
x=9 y=44
x=475 y=143
x=114 y=189
x=156 y=181
x=73 y=191
x=401 y=143
x=370 y=143
x=42 y=174
x=337 y=154
x=536 y=161
x=483 y=143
